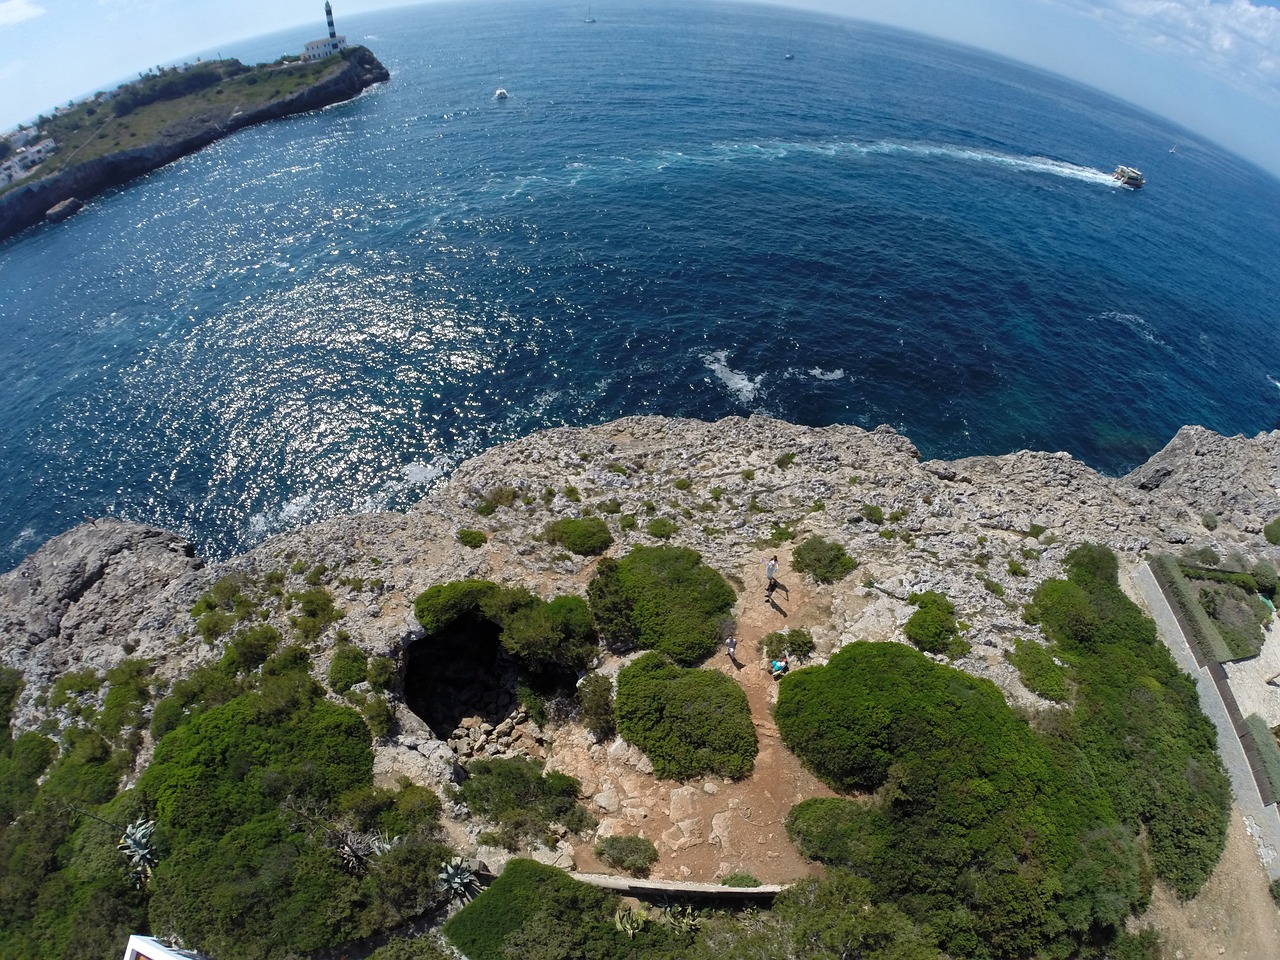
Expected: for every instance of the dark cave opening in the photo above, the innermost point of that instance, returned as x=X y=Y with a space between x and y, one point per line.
x=460 y=672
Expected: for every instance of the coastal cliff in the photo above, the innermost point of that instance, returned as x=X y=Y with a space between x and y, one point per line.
x=30 y=203
x=983 y=530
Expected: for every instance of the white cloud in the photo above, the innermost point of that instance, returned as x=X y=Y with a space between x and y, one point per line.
x=15 y=11
x=1237 y=40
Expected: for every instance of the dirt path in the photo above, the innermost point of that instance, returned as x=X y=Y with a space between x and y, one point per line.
x=1232 y=917
x=705 y=830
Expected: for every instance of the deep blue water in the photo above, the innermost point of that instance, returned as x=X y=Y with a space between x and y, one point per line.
x=666 y=216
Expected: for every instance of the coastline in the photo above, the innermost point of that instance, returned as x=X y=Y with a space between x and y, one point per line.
x=47 y=198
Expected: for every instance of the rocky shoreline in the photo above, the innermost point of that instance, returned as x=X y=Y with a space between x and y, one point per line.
x=983 y=530
x=55 y=197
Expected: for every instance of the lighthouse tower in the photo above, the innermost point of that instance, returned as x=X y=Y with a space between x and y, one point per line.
x=327 y=47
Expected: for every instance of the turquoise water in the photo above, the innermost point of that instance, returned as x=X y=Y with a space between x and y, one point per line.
x=666 y=216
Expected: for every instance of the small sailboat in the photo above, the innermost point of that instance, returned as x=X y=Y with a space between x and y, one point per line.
x=500 y=93
x=588 y=18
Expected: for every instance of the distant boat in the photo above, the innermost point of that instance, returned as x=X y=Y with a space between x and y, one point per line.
x=1174 y=148
x=1129 y=177
x=500 y=94
x=588 y=18
x=789 y=56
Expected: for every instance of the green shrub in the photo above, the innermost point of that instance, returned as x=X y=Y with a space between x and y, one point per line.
x=572 y=495
x=1264 y=575
x=662 y=528
x=974 y=815
x=1183 y=599
x=739 y=880
x=1210 y=521
x=128 y=693
x=495 y=498
x=662 y=598
x=933 y=627
x=1038 y=671
x=683 y=483
x=688 y=722
x=1036 y=531
x=585 y=536
x=440 y=606
x=612 y=506
x=786 y=460
x=795 y=643
x=632 y=854
x=378 y=716
x=249 y=649
x=516 y=796
x=540 y=913
x=69 y=686
x=315 y=612
x=1268 y=750
x=824 y=560
x=993 y=587
x=1017 y=568
x=550 y=636
x=1272 y=532
x=595 y=696
x=348 y=667
x=472 y=539
x=871 y=512
x=748 y=474
x=381 y=671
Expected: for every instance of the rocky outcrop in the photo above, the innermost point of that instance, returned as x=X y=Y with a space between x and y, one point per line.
x=28 y=204
x=983 y=530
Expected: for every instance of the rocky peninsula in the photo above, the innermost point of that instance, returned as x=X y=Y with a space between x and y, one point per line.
x=102 y=145
x=983 y=531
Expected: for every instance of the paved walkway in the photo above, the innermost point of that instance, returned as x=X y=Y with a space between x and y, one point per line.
x=1262 y=822
x=645 y=888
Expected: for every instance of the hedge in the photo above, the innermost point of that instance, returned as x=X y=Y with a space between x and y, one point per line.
x=1268 y=750
x=688 y=722
x=1203 y=633
x=661 y=598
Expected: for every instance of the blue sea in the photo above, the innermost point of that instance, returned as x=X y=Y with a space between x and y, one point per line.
x=666 y=216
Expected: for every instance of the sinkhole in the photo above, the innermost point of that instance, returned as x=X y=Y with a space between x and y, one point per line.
x=459 y=672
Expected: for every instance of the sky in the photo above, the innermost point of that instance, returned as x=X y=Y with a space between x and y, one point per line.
x=1212 y=66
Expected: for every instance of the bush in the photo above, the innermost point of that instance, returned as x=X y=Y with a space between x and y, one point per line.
x=348 y=667
x=440 y=606
x=550 y=636
x=933 y=627
x=495 y=498
x=975 y=817
x=1272 y=532
x=473 y=539
x=379 y=716
x=824 y=560
x=661 y=528
x=632 y=854
x=662 y=598
x=250 y=649
x=872 y=513
x=595 y=695
x=688 y=722
x=796 y=643
x=380 y=673
x=585 y=536
x=739 y=880
x=315 y=612
x=1210 y=521
x=516 y=796
x=1038 y=671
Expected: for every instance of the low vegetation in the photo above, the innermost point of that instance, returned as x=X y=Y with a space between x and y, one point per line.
x=595 y=697
x=1038 y=671
x=660 y=598
x=688 y=722
x=635 y=855
x=797 y=644
x=521 y=801
x=824 y=560
x=585 y=536
x=933 y=628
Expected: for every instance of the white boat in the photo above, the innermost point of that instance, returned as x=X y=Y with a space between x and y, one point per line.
x=500 y=94
x=588 y=18
x=1129 y=177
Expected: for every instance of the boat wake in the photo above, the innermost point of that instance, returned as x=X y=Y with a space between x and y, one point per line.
x=668 y=161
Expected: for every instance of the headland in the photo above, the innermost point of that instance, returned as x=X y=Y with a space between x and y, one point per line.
x=113 y=138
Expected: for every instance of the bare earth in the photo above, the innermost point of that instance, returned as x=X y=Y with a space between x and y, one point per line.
x=1233 y=916
x=707 y=830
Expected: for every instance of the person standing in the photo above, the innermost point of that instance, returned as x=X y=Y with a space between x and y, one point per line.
x=771 y=575
x=732 y=644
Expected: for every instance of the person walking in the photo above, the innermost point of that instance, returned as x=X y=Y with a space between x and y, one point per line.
x=732 y=644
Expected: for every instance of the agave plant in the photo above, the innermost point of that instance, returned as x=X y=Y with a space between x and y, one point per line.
x=358 y=847
x=629 y=921
x=137 y=843
x=458 y=879
x=683 y=919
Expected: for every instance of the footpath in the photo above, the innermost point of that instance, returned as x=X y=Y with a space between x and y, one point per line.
x=1262 y=819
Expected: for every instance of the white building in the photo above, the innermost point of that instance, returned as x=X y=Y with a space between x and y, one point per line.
x=148 y=948
x=327 y=47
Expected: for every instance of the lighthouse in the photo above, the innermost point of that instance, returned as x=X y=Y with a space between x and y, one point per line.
x=328 y=46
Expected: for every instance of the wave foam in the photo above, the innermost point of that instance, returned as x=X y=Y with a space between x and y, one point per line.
x=741 y=386
x=819 y=374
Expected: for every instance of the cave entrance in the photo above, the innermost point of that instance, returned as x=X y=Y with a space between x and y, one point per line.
x=461 y=671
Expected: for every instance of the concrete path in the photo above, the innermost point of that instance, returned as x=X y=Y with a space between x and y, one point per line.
x=648 y=889
x=1262 y=822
